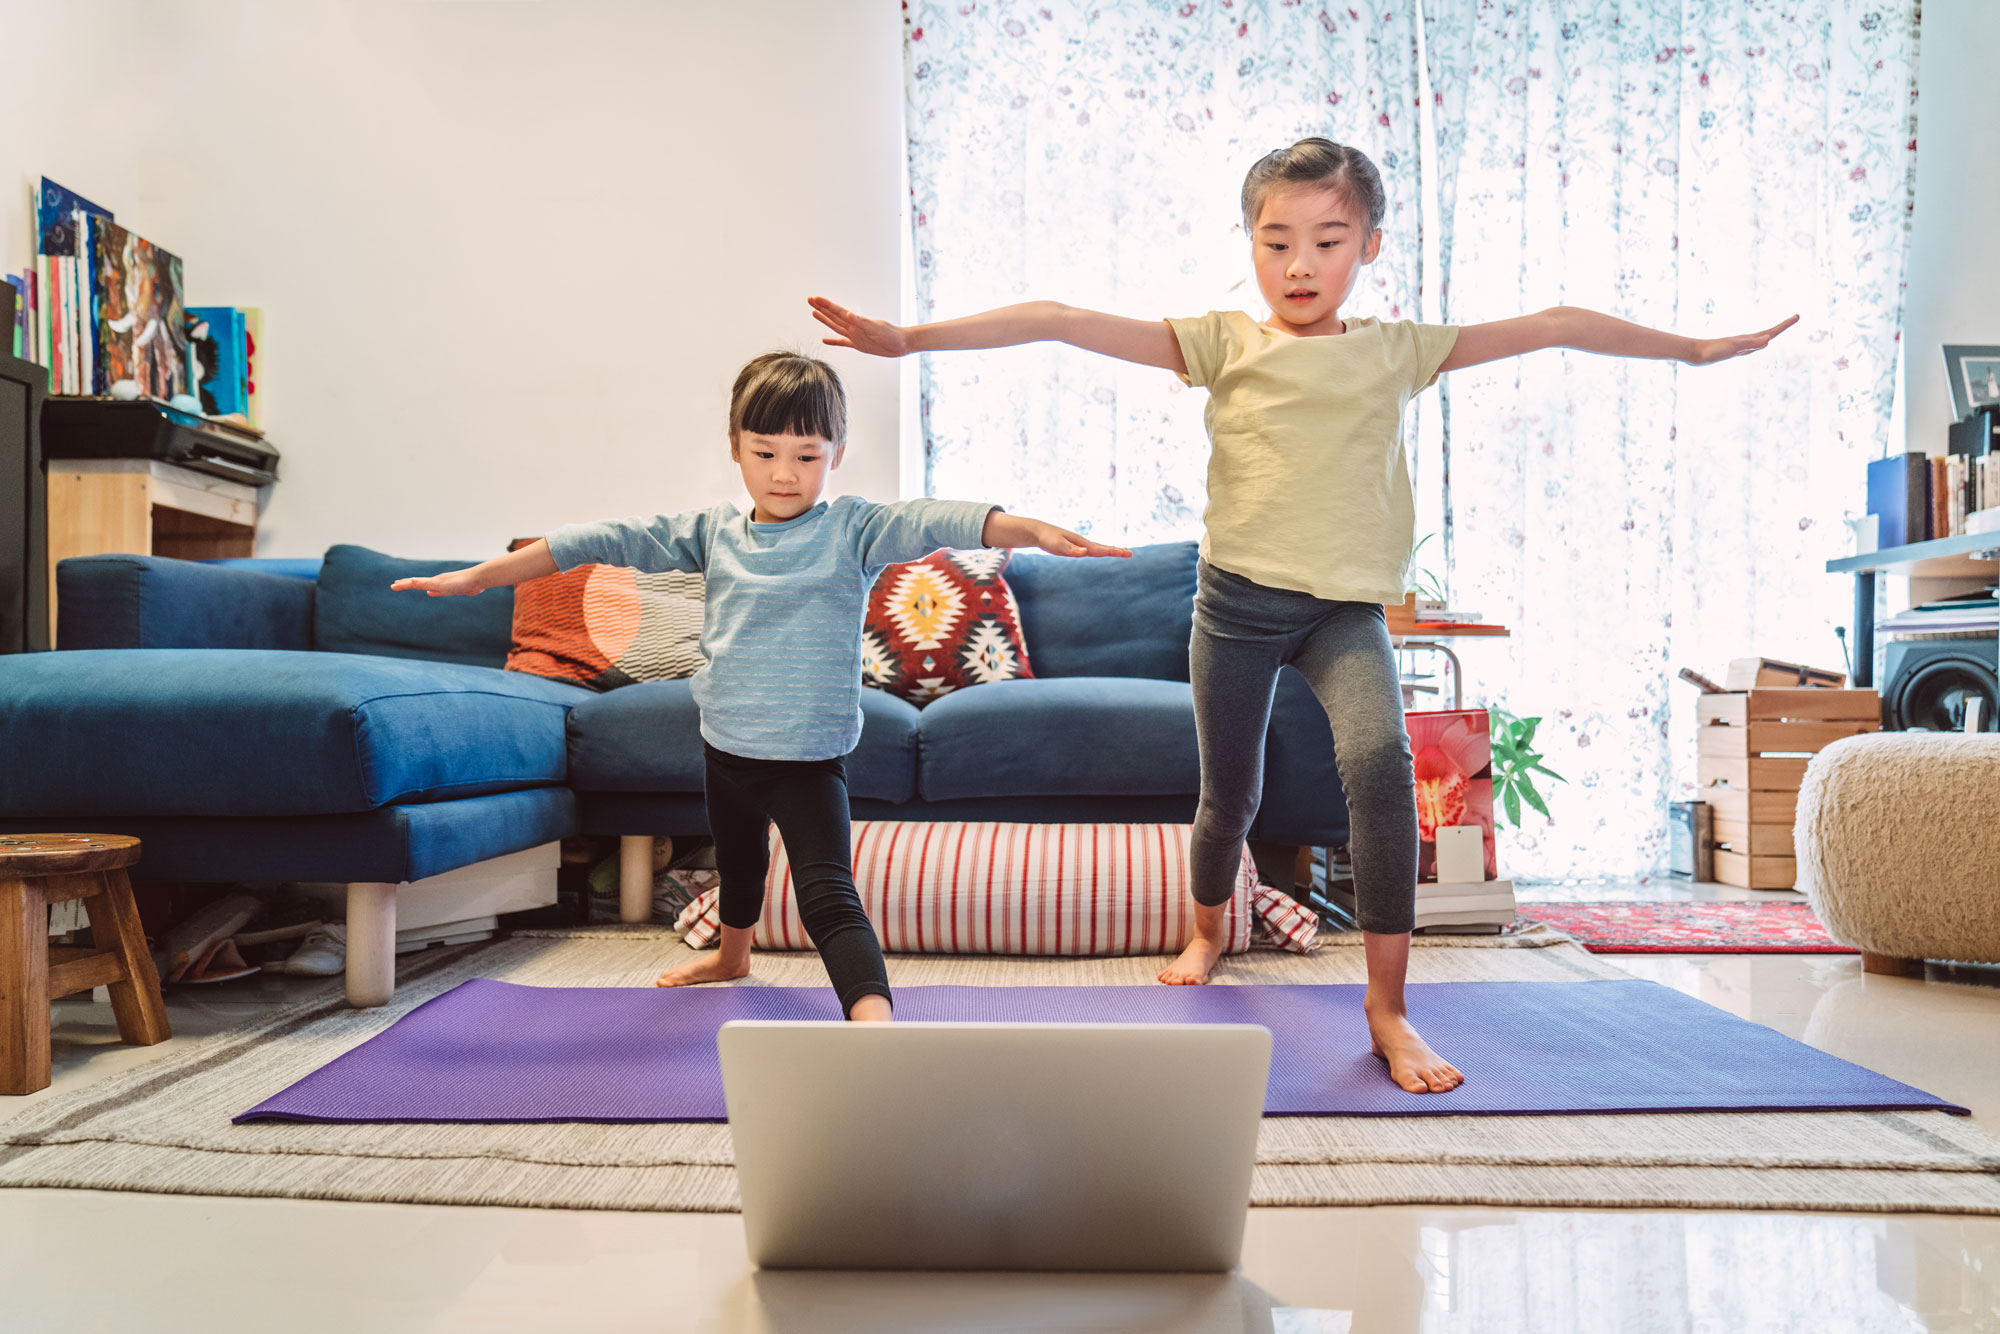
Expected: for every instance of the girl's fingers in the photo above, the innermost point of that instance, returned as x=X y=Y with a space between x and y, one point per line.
x=836 y=342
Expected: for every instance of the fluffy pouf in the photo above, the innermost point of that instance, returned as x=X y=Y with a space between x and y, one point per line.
x=1898 y=840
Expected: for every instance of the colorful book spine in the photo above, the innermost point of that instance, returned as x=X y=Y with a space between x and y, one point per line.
x=19 y=324
x=253 y=364
x=87 y=296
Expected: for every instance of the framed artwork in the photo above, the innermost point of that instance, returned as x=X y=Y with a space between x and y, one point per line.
x=1975 y=377
x=1453 y=754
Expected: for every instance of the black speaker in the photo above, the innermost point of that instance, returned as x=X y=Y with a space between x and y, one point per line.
x=1931 y=682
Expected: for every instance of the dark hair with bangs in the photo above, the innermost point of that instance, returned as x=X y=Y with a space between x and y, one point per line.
x=788 y=393
x=1321 y=162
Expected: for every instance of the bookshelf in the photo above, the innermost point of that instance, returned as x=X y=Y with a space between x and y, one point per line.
x=1967 y=556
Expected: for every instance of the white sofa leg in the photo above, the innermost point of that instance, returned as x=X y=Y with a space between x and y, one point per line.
x=635 y=878
x=371 y=944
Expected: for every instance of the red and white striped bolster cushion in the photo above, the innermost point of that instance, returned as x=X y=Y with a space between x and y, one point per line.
x=993 y=888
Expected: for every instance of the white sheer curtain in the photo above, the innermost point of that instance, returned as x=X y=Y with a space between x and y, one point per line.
x=1092 y=153
x=1707 y=165
x=1703 y=165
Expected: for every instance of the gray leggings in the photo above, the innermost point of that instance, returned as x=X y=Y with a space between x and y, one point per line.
x=1243 y=632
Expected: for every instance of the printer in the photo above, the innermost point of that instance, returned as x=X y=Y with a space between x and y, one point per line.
x=108 y=428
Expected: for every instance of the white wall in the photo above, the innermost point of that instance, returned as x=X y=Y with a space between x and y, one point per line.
x=511 y=253
x=1954 y=293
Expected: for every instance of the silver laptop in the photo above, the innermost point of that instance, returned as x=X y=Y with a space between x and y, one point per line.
x=994 y=1146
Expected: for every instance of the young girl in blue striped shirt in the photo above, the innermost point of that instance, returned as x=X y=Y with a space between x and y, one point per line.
x=780 y=694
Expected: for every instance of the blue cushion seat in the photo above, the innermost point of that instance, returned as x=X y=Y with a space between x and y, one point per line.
x=647 y=738
x=245 y=732
x=1107 y=616
x=1060 y=736
x=356 y=611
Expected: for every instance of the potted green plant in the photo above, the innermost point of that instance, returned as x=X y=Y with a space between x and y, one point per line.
x=1515 y=763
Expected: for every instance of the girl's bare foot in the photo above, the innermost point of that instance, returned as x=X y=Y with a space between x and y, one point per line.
x=708 y=968
x=1197 y=961
x=1412 y=1063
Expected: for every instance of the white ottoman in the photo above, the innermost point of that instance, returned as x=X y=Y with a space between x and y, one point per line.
x=1898 y=839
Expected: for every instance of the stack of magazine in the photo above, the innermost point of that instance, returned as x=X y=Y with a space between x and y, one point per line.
x=1479 y=907
x=1967 y=616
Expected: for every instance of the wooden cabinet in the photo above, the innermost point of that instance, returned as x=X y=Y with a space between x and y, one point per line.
x=1753 y=747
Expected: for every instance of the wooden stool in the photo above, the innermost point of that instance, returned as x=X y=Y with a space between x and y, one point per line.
x=35 y=871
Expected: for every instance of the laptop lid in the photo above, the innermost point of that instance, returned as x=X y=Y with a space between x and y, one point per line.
x=994 y=1146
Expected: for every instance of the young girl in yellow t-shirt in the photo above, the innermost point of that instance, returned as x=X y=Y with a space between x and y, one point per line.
x=1308 y=526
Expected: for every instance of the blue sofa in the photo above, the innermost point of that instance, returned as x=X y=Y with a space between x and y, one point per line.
x=263 y=720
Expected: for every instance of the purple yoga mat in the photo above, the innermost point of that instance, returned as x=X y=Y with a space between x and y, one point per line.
x=494 y=1051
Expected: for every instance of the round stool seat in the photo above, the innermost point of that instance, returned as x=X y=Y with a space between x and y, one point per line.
x=1897 y=846
x=65 y=854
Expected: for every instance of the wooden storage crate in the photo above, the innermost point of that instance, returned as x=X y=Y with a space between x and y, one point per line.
x=1753 y=747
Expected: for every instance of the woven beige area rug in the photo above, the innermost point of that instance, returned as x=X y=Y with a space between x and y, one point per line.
x=164 y=1126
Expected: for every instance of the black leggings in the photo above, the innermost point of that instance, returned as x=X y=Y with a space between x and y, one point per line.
x=808 y=800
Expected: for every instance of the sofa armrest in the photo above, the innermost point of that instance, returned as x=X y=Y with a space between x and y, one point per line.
x=154 y=602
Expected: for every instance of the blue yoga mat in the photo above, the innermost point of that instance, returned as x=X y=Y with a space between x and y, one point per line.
x=494 y=1051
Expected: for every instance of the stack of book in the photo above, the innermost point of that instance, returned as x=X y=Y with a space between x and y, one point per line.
x=1968 y=616
x=223 y=341
x=102 y=309
x=1919 y=498
x=1464 y=908
x=1467 y=908
x=104 y=305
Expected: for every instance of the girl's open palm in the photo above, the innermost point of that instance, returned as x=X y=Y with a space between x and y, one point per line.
x=1062 y=542
x=452 y=583
x=877 y=338
x=1710 y=350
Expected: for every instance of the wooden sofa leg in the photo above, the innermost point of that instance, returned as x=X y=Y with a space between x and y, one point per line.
x=635 y=878
x=371 y=944
x=1890 y=965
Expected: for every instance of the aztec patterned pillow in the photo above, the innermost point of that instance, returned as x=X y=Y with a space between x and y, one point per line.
x=943 y=622
x=605 y=626
x=992 y=888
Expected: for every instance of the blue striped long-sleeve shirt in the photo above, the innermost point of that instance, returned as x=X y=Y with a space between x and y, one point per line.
x=785 y=604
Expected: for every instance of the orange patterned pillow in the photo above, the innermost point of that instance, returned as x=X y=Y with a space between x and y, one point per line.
x=940 y=623
x=605 y=626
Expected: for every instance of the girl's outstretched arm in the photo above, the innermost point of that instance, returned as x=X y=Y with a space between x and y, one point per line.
x=1592 y=331
x=1146 y=342
x=1012 y=530
x=530 y=562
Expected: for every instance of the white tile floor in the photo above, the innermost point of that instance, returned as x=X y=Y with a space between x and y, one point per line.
x=74 y=1260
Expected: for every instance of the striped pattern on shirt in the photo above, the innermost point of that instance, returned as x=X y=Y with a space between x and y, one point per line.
x=782 y=627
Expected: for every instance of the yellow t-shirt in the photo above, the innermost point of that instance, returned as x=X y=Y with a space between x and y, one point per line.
x=1308 y=487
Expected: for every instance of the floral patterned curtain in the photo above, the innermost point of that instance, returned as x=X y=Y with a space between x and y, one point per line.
x=1702 y=165
x=1093 y=153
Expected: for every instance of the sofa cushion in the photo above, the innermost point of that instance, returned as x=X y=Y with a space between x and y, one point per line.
x=266 y=732
x=356 y=612
x=1108 y=617
x=1059 y=736
x=943 y=623
x=647 y=738
x=158 y=602
x=977 y=887
x=606 y=626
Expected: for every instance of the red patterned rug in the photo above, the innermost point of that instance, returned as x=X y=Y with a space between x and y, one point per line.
x=1679 y=927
